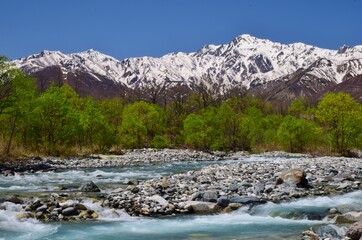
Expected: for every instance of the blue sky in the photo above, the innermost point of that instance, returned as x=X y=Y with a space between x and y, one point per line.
x=155 y=27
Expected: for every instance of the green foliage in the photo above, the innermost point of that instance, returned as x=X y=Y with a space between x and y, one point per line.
x=58 y=120
x=141 y=123
x=160 y=141
x=199 y=129
x=229 y=123
x=298 y=107
x=296 y=134
x=341 y=116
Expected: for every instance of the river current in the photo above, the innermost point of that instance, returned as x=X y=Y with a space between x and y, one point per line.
x=269 y=221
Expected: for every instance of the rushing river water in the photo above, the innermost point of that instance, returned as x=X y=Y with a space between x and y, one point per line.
x=268 y=221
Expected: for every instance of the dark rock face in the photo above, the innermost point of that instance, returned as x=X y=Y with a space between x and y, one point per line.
x=263 y=63
x=89 y=187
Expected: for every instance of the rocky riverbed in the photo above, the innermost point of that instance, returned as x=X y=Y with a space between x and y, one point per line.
x=214 y=189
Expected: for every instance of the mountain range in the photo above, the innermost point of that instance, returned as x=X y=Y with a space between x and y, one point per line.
x=266 y=69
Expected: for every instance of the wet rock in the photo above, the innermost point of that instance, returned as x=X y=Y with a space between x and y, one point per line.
x=14 y=200
x=69 y=211
x=232 y=207
x=349 y=217
x=223 y=201
x=330 y=231
x=94 y=215
x=79 y=206
x=35 y=205
x=89 y=187
x=22 y=216
x=8 y=173
x=203 y=207
x=354 y=232
x=42 y=208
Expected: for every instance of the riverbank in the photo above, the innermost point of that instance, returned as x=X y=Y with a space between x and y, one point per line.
x=250 y=181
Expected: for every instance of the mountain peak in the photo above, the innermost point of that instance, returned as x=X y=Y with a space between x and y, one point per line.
x=48 y=53
x=245 y=38
x=247 y=61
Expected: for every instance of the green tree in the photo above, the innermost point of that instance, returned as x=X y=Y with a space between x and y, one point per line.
x=15 y=112
x=141 y=123
x=251 y=128
x=57 y=119
x=98 y=134
x=298 y=107
x=296 y=134
x=200 y=130
x=341 y=116
x=229 y=123
x=270 y=126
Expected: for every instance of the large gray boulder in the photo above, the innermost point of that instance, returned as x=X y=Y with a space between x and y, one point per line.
x=160 y=200
x=89 y=187
x=203 y=207
x=330 y=231
x=295 y=177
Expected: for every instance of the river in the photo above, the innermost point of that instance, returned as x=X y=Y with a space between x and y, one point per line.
x=269 y=221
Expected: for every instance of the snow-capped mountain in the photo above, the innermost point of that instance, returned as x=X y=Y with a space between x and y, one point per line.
x=246 y=61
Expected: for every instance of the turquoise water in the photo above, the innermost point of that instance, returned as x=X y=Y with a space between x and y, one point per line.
x=269 y=221
x=241 y=224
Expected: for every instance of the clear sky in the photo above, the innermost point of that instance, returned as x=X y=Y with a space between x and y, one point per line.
x=136 y=28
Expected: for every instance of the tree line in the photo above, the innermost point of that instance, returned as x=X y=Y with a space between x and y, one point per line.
x=58 y=121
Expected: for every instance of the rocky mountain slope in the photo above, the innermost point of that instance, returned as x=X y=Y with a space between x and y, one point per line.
x=268 y=69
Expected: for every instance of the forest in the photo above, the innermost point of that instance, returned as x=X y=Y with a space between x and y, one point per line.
x=58 y=122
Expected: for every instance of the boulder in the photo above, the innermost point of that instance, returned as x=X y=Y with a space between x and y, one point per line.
x=89 y=187
x=294 y=176
x=354 y=232
x=160 y=200
x=349 y=217
x=69 y=211
x=14 y=200
x=42 y=208
x=223 y=201
x=210 y=196
x=203 y=207
x=330 y=231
